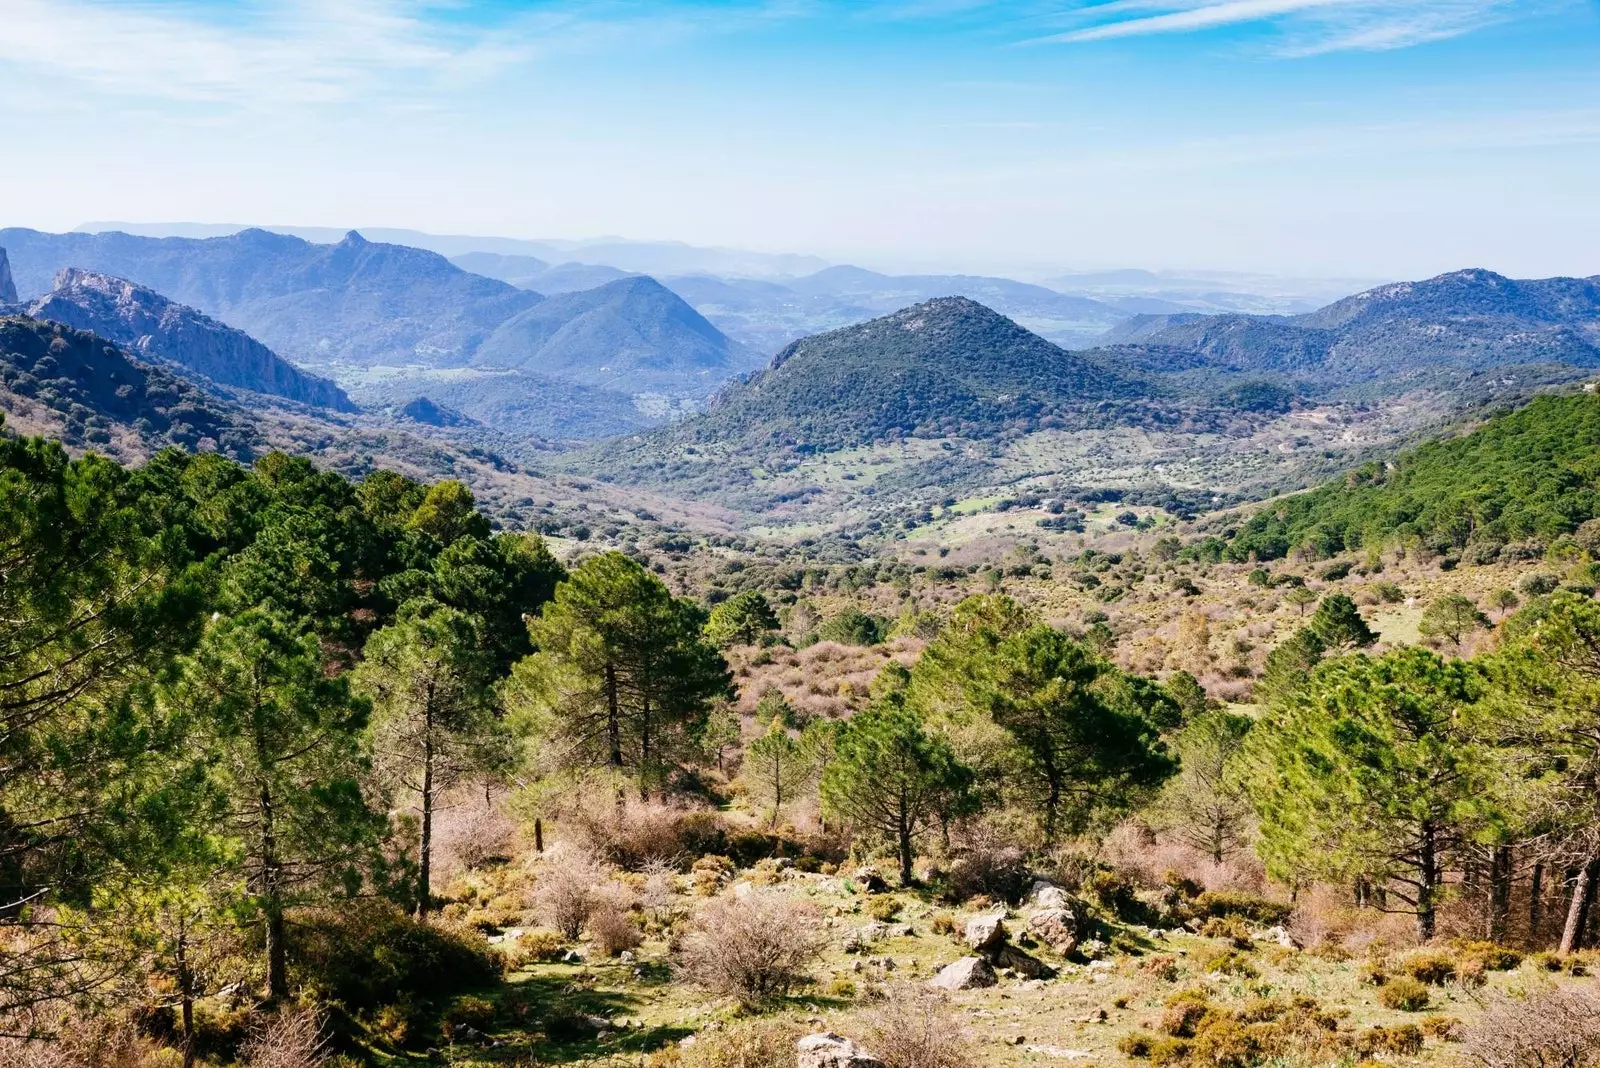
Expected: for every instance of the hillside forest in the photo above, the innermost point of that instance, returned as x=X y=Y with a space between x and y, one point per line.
x=308 y=769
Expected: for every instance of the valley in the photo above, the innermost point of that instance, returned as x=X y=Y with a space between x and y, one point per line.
x=1014 y=683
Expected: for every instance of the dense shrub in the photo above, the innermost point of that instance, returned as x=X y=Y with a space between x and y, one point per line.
x=1404 y=1039
x=987 y=862
x=465 y=1012
x=368 y=954
x=613 y=929
x=564 y=890
x=1433 y=967
x=1250 y=907
x=1403 y=993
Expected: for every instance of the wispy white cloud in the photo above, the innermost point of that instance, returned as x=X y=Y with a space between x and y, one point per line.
x=272 y=53
x=1307 y=27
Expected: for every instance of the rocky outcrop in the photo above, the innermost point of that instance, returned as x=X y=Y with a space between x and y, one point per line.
x=8 y=287
x=153 y=327
x=828 y=1050
x=1024 y=964
x=968 y=973
x=426 y=411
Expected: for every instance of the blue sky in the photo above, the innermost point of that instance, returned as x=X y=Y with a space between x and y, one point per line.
x=1360 y=138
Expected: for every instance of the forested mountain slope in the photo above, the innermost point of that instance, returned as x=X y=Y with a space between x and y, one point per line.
x=945 y=367
x=1528 y=474
x=91 y=391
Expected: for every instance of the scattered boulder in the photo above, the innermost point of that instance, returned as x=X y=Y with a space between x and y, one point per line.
x=1056 y=928
x=869 y=880
x=1047 y=895
x=968 y=973
x=828 y=1050
x=1282 y=937
x=1029 y=967
x=984 y=933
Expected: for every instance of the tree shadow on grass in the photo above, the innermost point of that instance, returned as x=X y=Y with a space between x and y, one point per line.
x=554 y=1017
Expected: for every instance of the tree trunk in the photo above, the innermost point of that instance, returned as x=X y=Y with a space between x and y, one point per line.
x=905 y=840
x=613 y=717
x=538 y=835
x=1500 y=871
x=1578 y=908
x=1427 y=882
x=185 y=993
x=272 y=903
x=425 y=846
x=1535 y=888
x=1052 y=802
x=644 y=750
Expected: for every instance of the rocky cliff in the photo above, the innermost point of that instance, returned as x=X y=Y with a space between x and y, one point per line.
x=154 y=327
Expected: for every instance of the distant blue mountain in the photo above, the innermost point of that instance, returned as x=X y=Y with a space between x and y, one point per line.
x=1463 y=322
x=633 y=335
x=355 y=302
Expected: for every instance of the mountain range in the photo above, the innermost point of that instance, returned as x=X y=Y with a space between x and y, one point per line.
x=355 y=302
x=356 y=306
x=1401 y=335
x=646 y=257
x=156 y=328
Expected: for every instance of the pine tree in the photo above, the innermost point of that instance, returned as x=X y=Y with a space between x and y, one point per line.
x=743 y=619
x=1451 y=616
x=776 y=768
x=283 y=740
x=1337 y=623
x=1084 y=754
x=1372 y=771
x=892 y=779
x=433 y=724
x=622 y=678
x=1207 y=804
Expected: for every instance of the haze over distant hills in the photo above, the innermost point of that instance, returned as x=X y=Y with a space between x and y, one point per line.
x=647 y=257
x=355 y=302
x=1464 y=322
x=648 y=338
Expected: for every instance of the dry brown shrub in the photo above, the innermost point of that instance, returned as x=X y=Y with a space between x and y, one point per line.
x=988 y=861
x=913 y=1028
x=472 y=834
x=632 y=833
x=755 y=947
x=611 y=924
x=108 y=1042
x=1550 y=1028
x=565 y=883
x=290 y=1038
